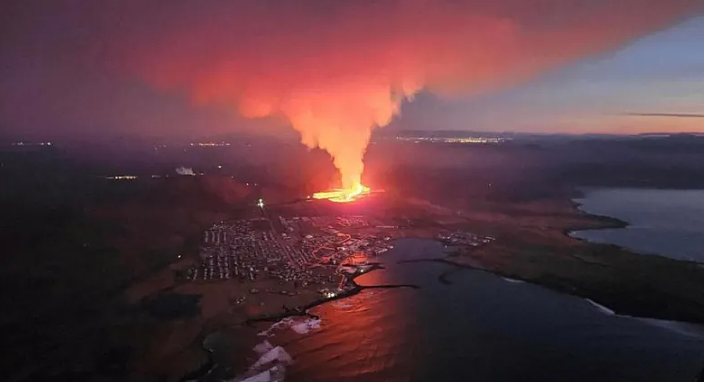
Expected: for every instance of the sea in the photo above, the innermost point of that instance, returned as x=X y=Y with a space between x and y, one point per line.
x=663 y=222
x=479 y=327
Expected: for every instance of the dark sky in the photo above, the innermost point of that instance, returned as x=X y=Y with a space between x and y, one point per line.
x=179 y=67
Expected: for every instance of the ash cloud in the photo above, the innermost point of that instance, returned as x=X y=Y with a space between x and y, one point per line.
x=338 y=70
x=335 y=70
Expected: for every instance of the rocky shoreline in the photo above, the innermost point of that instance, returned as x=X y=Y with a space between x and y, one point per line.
x=299 y=311
x=631 y=296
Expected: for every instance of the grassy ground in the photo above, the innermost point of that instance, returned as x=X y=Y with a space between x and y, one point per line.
x=533 y=245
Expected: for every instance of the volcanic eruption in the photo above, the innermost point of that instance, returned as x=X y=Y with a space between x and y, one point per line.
x=336 y=70
x=344 y=195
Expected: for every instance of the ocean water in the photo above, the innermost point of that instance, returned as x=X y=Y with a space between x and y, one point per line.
x=664 y=222
x=479 y=328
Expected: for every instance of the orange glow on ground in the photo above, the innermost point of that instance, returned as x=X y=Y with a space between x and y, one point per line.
x=344 y=195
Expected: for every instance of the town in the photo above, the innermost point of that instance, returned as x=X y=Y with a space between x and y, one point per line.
x=307 y=251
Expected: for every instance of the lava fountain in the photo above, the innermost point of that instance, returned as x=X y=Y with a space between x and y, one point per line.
x=344 y=195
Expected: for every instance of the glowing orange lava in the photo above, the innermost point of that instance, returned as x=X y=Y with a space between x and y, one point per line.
x=344 y=195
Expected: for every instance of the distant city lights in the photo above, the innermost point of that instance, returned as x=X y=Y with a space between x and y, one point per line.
x=30 y=144
x=133 y=177
x=122 y=177
x=210 y=144
x=465 y=140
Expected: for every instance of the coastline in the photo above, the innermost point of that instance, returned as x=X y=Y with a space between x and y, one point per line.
x=629 y=300
x=614 y=223
x=302 y=311
x=633 y=299
x=609 y=221
x=684 y=328
x=299 y=311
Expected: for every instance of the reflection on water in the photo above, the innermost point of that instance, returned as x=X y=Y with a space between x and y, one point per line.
x=480 y=328
x=665 y=222
x=356 y=342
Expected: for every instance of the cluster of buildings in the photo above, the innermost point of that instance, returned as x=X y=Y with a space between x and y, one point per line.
x=235 y=251
x=327 y=224
x=302 y=250
x=461 y=238
x=332 y=239
x=322 y=252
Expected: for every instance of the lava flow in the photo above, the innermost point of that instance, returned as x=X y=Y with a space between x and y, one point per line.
x=344 y=195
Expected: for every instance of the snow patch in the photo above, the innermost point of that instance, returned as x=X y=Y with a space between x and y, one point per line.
x=264 y=376
x=513 y=281
x=601 y=308
x=277 y=354
x=270 y=367
x=263 y=347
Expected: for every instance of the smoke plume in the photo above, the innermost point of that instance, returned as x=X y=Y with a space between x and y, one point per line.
x=338 y=69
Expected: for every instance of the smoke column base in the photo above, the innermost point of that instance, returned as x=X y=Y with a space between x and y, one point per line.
x=344 y=195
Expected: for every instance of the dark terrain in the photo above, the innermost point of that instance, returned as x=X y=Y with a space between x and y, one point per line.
x=74 y=241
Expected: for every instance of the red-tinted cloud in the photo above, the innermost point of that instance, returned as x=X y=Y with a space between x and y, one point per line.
x=337 y=69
